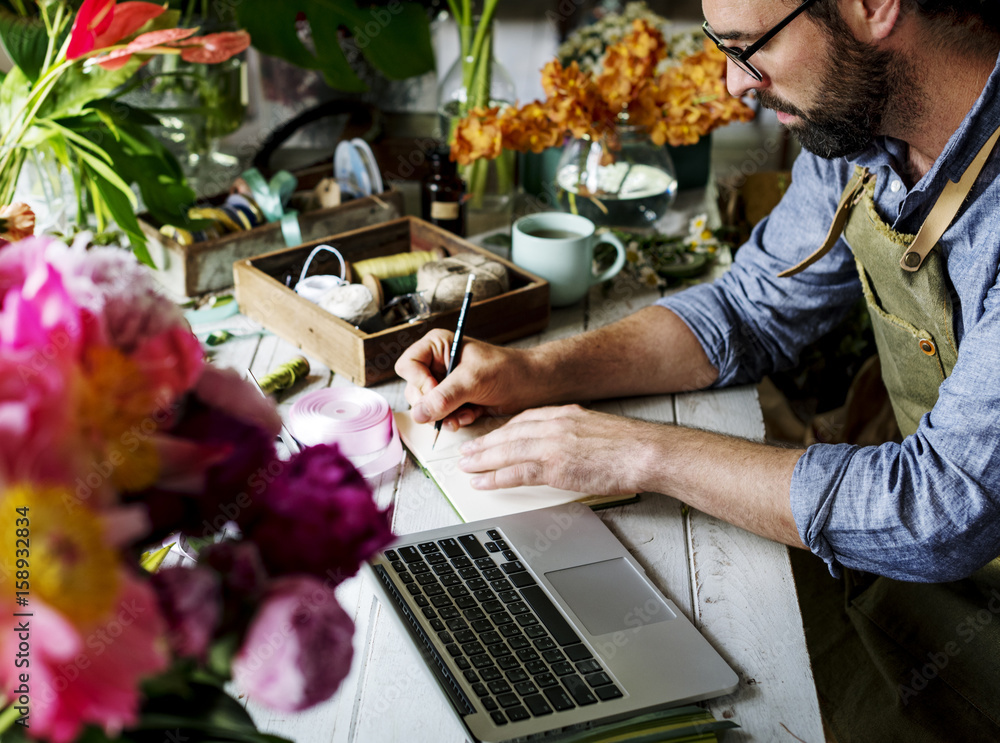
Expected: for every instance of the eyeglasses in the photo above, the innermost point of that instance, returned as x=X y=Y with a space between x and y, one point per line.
x=742 y=56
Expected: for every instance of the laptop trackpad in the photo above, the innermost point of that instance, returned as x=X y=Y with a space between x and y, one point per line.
x=609 y=596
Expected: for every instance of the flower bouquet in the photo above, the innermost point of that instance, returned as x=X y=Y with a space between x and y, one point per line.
x=116 y=435
x=630 y=96
x=59 y=103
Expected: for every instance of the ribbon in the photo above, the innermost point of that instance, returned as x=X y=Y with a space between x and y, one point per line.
x=359 y=421
x=271 y=196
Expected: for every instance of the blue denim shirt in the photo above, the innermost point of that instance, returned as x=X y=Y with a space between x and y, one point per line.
x=927 y=509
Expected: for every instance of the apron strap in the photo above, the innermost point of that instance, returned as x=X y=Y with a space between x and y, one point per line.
x=944 y=210
x=852 y=192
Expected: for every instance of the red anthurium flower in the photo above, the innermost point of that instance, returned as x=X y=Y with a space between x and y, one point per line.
x=143 y=42
x=214 y=48
x=93 y=19
x=127 y=18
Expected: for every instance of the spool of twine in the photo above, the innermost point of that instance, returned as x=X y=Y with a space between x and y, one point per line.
x=400 y=264
x=443 y=282
x=285 y=375
x=385 y=289
x=351 y=302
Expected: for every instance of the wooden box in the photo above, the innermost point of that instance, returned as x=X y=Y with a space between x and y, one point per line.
x=368 y=358
x=191 y=270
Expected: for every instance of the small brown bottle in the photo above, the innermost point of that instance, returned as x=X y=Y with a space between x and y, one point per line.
x=443 y=193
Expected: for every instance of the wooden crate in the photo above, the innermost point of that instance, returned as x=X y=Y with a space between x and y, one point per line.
x=368 y=358
x=191 y=270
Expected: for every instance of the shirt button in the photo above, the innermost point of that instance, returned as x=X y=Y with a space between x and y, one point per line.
x=927 y=346
x=895 y=186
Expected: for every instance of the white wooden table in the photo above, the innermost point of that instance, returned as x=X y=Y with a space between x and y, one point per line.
x=736 y=587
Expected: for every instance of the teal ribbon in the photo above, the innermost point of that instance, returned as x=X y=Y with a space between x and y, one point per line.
x=271 y=196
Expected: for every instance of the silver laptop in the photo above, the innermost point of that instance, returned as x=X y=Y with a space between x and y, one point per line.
x=542 y=623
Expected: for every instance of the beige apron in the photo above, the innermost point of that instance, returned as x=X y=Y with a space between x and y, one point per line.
x=897 y=661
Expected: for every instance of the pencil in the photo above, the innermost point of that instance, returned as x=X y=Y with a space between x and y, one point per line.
x=456 y=344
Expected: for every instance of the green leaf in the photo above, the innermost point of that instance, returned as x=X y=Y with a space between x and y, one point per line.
x=119 y=207
x=77 y=88
x=25 y=41
x=13 y=94
x=395 y=38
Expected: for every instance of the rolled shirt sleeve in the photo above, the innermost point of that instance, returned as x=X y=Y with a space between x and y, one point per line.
x=926 y=509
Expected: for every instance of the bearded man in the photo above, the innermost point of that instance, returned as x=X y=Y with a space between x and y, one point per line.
x=897 y=104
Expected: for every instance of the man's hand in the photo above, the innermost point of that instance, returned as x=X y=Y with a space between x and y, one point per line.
x=566 y=447
x=486 y=376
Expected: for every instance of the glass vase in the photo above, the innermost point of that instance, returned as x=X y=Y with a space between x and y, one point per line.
x=623 y=180
x=469 y=84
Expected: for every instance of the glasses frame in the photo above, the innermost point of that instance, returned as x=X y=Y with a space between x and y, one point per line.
x=741 y=57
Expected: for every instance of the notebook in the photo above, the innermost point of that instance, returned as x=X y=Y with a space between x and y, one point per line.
x=541 y=623
x=441 y=464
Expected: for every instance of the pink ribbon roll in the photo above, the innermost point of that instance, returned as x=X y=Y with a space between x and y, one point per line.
x=358 y=420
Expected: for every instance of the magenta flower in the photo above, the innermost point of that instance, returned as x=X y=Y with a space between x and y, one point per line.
x=93 y=18
x=298 y=648
x=191 y=602
x=319 y=517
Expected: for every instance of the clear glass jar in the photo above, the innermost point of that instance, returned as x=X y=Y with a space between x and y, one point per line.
x=630 y=182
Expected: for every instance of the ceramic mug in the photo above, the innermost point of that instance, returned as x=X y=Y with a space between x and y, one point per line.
x=559 y=247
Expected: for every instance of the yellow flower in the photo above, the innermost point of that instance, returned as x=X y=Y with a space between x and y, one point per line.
x=67 y=562
x=117 y=410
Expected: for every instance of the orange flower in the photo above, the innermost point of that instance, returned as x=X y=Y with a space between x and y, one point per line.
x=679 y=106
x=17 y=221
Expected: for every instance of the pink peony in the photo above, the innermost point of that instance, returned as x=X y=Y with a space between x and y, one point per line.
x=319 y=517
x=88 y=676
x=298 y=649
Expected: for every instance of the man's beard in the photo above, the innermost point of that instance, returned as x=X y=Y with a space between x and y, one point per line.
x=855 y=95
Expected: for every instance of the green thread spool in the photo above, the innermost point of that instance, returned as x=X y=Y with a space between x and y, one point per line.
x=383 y=290
x=285 y=375
x=391 y=266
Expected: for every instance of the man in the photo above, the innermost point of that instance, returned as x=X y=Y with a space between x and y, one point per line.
x=894 y=100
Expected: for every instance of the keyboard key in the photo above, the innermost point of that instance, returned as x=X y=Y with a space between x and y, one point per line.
x=607 y=693
x=471 y=676
x=492 y=547
x=437 y=625
x=399 y=566
x=429 y=612
x=462 y=662
x=413 y=588
x=597 y=679
x=502 y=544
x=501 y=617
x=449 y=612
x=485 y=563
x=457 y=625
x=526 y=654
x=450 y=580
x=490 y=638
x=492 y=607
x=547 y=679
x=461 y=562
x=426 y=579
x=516 y=643
x=488 y=704
x=535 y=667
x=473 y=648
x=406 y=577
x=480 y=690
x=526 y=620
x=475 y=584
x=465 y=636
x=499 y=649
x=472 y=546
x=419 y=567
x=453 y=650
x=553 y=656
x=522 y=579
x=493 y=534
x=421 y=600
x=588 y=666
x=581 y=694
x=525 y=688
x=558 y=698
x=518 y=607
x=498 y=718
x=507 y=662
x=474 y=614
x=433 y=589
x=516 y=714
x=509 y=596
x=558 y=627
x=512 y=567
x=436 y=558
x=508 y=700
x=493 y=574
x=482 y=625
x=562 y=669
x=441 y=601
x=391 y=555
x=499 y=686
x=410 y=554
x=509 y=630
x=508 y=554
x=443 y=568
x=490 y=673
x=482 y=661
x=534 y=632
x=458 y=591
x=466 y=602
x=445 y=637
x=544 y=643
x=516 y=676
x=427 y=547
x=468 y=573
x=451 y=547
x=578 y=652
x=501 y=584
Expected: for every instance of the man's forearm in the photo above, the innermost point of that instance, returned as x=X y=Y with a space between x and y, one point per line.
x=650 y=352
x=742 y=482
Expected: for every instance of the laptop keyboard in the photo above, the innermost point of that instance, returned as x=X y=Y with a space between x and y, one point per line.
x=517 y=654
